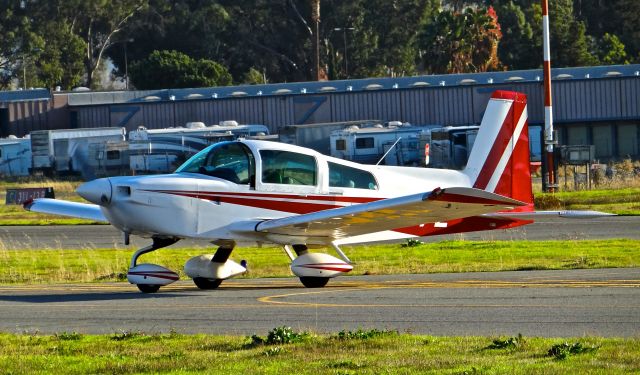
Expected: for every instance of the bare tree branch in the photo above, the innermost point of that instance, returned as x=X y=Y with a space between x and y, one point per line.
x=300 y=18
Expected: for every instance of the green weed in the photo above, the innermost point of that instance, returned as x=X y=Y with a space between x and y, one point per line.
x=510 y=343
x=364 y=335
x=562 y=351
x=68 y=336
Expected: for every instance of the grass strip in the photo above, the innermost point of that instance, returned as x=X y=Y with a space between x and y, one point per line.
x=93 y=265
x=619 y=201
x=392 y=353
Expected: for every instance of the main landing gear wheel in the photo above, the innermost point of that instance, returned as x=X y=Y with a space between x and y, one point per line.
x=146 y=288
x=207 y=284
x=314 y=282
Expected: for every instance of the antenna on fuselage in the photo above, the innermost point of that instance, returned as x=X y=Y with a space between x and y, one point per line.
x=390 y=148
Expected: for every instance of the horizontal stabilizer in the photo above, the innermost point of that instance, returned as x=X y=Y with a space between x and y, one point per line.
x=66 y=208
x=386 y=214
x=538 y=215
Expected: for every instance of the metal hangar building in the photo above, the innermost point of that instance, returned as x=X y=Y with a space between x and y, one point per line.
x=592 y=105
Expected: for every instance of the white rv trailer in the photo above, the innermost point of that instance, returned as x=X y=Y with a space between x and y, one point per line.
x=316 y=136
x=15 y=156
x=450 y=146
x=369 y=144
x=162 y=150
x=67 y=150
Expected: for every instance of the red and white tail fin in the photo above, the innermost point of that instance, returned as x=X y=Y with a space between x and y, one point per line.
x=499 y=160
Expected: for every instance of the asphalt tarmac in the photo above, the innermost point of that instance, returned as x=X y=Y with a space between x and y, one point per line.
x=572 y=303
x=106 y=236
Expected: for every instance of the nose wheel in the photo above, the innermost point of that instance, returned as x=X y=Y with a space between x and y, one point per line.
x=207 y=284
x=314 y=282
x=146 y=288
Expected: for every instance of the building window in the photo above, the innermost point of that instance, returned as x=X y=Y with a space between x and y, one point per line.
x=341 y=145
x=348 y=177
x=365 y=142
x=603 y=141
x=577 y=135
x=285 y=167
x=627 y=140
x=113 y=155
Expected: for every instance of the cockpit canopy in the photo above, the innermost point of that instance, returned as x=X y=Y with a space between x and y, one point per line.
x=235 y=162
x=231 y=161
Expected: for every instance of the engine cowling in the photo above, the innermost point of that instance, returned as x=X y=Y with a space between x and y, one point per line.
x=319 y=265
x=151 y=274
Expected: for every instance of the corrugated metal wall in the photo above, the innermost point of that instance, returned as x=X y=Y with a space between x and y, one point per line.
x=25 y=116
x=574 y=100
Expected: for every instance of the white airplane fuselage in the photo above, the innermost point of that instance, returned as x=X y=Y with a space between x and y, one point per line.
x=193 y=205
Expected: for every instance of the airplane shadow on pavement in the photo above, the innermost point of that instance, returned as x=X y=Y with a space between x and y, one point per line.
x=85 y=297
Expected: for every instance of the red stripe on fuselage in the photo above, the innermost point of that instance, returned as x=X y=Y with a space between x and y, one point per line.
x=258 y=201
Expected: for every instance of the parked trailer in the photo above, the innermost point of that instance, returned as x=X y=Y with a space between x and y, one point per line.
x=368 y=144
x=450 y=146
x=316 y=136
x=110 y=158
x=162 y=150
x=15 y=156
x=67 y=150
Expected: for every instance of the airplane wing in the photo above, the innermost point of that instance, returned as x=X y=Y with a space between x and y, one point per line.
x=66 y=208
x=436 y=206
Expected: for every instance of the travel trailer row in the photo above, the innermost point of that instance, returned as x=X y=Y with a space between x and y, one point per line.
x=111 y=151
x=97 y=152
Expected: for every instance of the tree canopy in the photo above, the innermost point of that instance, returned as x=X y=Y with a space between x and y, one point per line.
x=71 y=42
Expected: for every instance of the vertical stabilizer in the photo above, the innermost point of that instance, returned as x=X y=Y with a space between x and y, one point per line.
x=499 y=160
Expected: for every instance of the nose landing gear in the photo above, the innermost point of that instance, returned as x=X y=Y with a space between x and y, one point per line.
x=150 y=277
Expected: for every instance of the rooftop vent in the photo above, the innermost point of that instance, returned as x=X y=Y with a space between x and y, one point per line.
x=564 y=76
x=373 y=86
x=327 y=88
x=151 y=98
x=238 y=93
x=514 y=78
x=420 y=84
x=282 y=91
x=613 y=73
x=194 y=96
x=467 y=81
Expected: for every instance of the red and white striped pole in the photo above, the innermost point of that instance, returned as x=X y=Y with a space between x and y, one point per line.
x=549 y=180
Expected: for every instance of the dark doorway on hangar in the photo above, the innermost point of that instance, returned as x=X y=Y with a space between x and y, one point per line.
x=4 y=123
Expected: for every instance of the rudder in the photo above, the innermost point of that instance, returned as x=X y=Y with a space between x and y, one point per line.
x=499 y=160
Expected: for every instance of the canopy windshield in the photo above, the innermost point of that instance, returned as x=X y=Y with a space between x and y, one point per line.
x=231 y=161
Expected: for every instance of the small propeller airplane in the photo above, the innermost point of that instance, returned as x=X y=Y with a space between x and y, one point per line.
x=252 y=191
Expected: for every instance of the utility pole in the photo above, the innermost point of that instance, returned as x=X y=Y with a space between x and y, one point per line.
x=549 y=176
x=315 y=19
x=344 y=35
